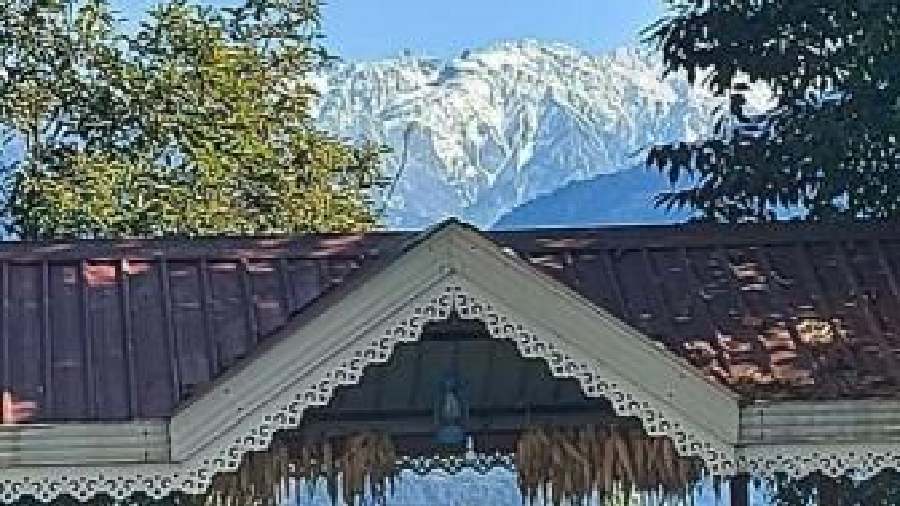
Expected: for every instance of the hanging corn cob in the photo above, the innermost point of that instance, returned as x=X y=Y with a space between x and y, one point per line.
x=562 y=465
x=571 y=465
x=346 y=464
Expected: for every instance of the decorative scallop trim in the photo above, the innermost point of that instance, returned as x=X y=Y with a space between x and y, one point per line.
x=857 y=461
x=47 y=483
x=481 y=463
x=286 y=410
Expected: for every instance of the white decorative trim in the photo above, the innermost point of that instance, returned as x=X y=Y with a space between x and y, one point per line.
x=857 y=461
x=560 y=314
x=119 y=482
x=453 y=464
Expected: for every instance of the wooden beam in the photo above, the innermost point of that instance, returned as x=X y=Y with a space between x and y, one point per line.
x=6 y=375
x=419 y=423
x=794 y=424
x=83 y=444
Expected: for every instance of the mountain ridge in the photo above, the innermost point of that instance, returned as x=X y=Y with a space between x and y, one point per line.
x=483 y=133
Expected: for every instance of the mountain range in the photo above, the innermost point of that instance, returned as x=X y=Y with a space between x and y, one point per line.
x=482 y=134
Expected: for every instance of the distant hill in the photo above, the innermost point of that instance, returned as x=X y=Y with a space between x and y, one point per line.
x=624 y=197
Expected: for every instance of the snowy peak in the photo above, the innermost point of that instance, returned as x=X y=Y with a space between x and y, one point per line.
x=491 y=129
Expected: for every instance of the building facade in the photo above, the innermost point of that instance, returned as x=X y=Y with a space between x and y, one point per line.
x=658 y=355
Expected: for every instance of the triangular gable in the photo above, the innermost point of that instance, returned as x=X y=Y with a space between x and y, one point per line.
x=456 y=268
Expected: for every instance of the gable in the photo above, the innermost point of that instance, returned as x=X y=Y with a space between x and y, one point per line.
x=457 y=270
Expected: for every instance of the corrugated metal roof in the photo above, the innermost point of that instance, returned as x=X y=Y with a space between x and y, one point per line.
x=112 y=330
x=791 y=310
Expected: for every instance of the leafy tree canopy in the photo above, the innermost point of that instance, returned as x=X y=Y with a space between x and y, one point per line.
x=829 y=145
x=197 y=122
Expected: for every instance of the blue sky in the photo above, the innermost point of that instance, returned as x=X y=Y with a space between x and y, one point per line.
x=367 y=29
x=375 y=28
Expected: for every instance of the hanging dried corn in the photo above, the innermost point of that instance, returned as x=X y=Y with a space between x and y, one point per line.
x=569 y=466
x=346 y=464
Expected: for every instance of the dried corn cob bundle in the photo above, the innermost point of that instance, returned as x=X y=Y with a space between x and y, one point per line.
x=350 y=466
x=570 y=465
x=562 y=465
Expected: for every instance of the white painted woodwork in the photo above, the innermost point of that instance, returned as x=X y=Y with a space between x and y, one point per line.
x=83 y=443
x=831 y=422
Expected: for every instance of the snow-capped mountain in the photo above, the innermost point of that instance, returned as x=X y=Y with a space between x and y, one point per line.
x=483 y=133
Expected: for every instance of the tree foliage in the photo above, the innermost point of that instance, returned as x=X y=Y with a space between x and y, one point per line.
x=196 y=122
x=829 y=144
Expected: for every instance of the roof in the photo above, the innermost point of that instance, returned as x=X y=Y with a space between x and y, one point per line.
x=780 y=311
x=110 y=330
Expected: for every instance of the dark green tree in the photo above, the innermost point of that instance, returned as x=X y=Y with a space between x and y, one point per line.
x=197 y=122
x=829 y=145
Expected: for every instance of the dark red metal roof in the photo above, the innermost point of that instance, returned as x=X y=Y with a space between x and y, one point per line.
x=105 y=330
x=782 y=311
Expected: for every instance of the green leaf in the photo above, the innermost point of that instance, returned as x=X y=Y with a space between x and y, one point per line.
x=182 y=126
